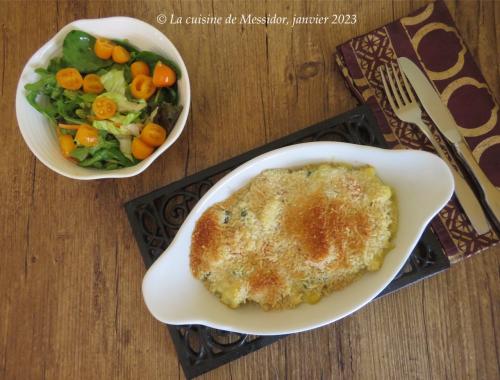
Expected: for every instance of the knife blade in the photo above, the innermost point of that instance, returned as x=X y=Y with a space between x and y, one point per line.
x=431 y=100
x=445 y=123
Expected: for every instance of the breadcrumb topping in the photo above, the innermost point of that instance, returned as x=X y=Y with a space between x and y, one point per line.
x=293 y=236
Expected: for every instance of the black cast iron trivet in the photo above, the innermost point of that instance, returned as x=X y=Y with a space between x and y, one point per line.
x=156 y=217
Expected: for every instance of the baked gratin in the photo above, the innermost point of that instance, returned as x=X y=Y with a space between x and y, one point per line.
x=294 y=235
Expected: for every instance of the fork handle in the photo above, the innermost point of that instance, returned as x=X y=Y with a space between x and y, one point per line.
x=463 y=191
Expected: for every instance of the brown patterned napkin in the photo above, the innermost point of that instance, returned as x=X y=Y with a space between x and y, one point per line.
x=430 y=39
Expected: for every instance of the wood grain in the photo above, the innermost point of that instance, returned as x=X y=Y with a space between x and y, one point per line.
x=70 y=272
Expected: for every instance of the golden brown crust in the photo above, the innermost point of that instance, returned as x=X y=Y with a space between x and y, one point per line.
x=319 y=224
x=204 y=242
x=266 y=283
x=292 y=236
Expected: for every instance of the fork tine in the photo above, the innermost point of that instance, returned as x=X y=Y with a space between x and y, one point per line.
x=393 y=86
x=396 y=77
x=387 y=92
x=407 y=86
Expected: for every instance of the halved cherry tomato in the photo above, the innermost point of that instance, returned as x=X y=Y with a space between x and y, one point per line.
x=66 y=144
x=69 y=78
x=163 y=76
x=103 y=108
x=87 y=135
x=103 y=48
x=139 y=67
x=92 y=84
x=140 y=149
x=153 y=134
x=120 y=54
x=142 y=87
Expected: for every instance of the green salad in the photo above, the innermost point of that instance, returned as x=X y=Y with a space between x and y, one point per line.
x=111 y=104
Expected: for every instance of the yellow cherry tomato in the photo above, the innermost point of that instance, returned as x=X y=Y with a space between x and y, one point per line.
x=163 y=75
x=120 y=54
x=87 y=135
x=140 y=149
x=66 y=144
x=139 y=67
x=104 y=108
x=153 y=134
x=103 y=48
x=69 y=78
x=142 y=87
x=92 y=84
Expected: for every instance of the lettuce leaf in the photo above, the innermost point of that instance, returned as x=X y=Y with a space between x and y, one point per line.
x=126 y=146
x=105 y=158
x=107 y=154
x=114 y=81
x=110 y=127
x=126 y=119
x=78 y=52
x=40 y=93
x=123 y=104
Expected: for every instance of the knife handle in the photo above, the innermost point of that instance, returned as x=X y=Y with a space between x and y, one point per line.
x=490 y=192
x=468 y=200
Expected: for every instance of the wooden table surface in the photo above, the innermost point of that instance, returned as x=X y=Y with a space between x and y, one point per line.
x=70 y=270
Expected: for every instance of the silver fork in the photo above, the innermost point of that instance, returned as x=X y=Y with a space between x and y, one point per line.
x=404 y=104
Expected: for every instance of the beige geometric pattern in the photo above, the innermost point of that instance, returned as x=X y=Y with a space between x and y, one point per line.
x=484 y=128
x=457 y=81
x=460 y=60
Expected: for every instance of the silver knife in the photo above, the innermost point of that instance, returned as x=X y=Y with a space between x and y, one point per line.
x=444 y=121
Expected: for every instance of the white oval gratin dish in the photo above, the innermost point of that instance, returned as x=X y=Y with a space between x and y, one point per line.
x=35 y=128
x=422 y=183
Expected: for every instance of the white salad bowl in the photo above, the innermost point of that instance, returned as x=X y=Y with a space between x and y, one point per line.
x=422 y=184
x=36 y=129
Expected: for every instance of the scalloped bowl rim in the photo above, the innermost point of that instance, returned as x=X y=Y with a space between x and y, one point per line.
x=110 y=27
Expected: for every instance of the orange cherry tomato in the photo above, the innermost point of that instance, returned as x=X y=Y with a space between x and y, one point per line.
x=87 y=135
x=92 y=84
x=66 y=144
x=163 y=75
x=139 y=67
x=140 y=149
x=120 y=54
x=142 y=87
x=153 y=134
x=69 y=78
x=103 y=108
x=103 y=48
